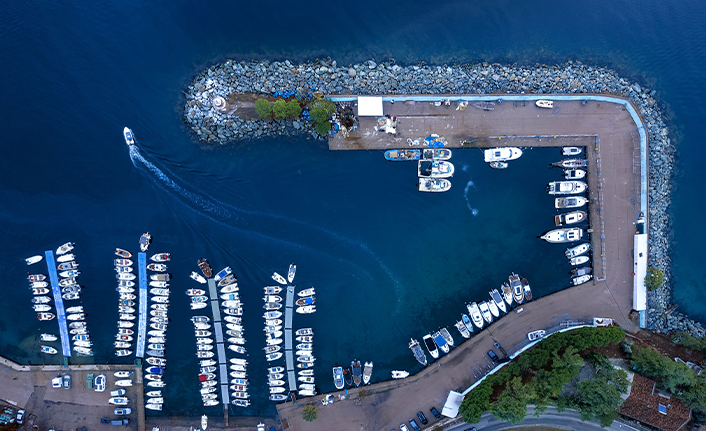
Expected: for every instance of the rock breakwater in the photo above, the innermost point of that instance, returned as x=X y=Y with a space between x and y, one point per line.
x=240 y=83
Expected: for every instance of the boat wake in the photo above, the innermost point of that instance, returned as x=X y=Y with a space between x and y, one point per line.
x=469 y=185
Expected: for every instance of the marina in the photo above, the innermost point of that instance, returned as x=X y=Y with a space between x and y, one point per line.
x=59 y=304
x=143 y=301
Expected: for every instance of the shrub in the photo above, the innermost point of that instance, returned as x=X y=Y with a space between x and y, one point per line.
x=626 y=347
x=654 y=278
x=323 y=128
x=280 y=109
x=263 y=108
x=689 y=341
x=294 y=109
x=309 y=413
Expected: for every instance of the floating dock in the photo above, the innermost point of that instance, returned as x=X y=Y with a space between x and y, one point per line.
x=58 y=303
x=288 y=345
x=142 y=309
x=220 y=346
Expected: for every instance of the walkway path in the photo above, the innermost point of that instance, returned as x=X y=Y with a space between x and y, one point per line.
x=142 y=322
x=288 y=342
x=58 y=303
x=220 y=347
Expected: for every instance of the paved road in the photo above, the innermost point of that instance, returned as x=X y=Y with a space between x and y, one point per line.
x=551 y=418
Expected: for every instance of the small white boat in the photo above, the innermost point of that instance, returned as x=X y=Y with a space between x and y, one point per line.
x=126 y=283
x=273 y=356
x=308 y=309
x=34 y=259
x=273 y=315
x=230 y=297
x=38 y=284
x=434 y=169
x=277 y=390
x=48 y=337
x=578 y=260
x=574 y=174
x=233 y=311
x=69 y=274
x=156 y=407
x=231 y=288
x=278 y=278
x=160 y=299
x=433 y=185
x=485 y=311
x=570 y=218
x=84 y=351
x=222 y=273
x=156 y=384
x=272 y=298
x=122 y=345
x=127 y=316
x=159 y=291
x=270 y=290
x=306 y=373
x=272 y=306
x=123 y=269
x=397 y=374
x=129 y=137
x=40 y=291
x=75 y=309
x=581 y=280
x=200 y=333
x=47 y=349
x=231 y=304
x=465 y=333
x=306 y=393
x=549 y=104
x=65 y=248
x=446 y=336
x=476 y=315
x=157 y=267
x=197 y=305
x=160 y=284
x=501 y=154
x=123 y=352
x=307 y=292
x=158 y=362
x=70 y=296
x=498 y=300
x=493 y=308
x=237 y=349
x=66 y=258
x=161 y=257
x=125 y=276
x=233 y=319
x=566 y=187
x=83 y=343
x=367 y=372
x=563 y=235
x=571 y=151
x=41 y=300
x=228 y=279
x=577 y=250
x=198 y=277
x=290 y=274
x=36 y=277
x=570 y=202
x=67 y=265
x=76 y=316
x=123 y=253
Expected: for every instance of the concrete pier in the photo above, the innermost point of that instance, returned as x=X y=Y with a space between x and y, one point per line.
x=142 y=307
x=289 y=344
x=58 y=303
x=220 y=346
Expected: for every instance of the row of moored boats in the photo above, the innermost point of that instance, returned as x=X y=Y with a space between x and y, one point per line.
x=433 y=167
x=355 y=375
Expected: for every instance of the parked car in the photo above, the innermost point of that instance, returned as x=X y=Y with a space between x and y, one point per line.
x=120 y=421
x=57 y=382
x=67 y=381
x=89 y=381
x=493 y=356
x=20 y=417
x=105 y=420
x=117 y=392
x=435 y=412
x=536 y=335
x=403 y=427
x=518 y=311
x=422 y=418
x=122 y=411
x=415 y=427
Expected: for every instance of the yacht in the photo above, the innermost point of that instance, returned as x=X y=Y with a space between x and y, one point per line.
x=433 y=185
x=129 y=137
x=418 y=352
x=431 y=346
x=367 y=372
x=145 y=241
x=548 y=104
x=498 y=300
x=338 y=377
x=476 y=315
x=563 y=235
x=577 y=250
x=502 y=154
x=485 y=311
x=566 y=187
x=434 y=169
x=396 y=374
x=570 y=218
x=465 y=333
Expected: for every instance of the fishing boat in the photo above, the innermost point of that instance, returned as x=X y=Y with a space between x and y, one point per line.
x=501 y=154
x=526 y=289
x=271 y=290
x=574 y=174
x=570 y=218
x=516 y=286
x=434 y=169
x=577 y=250
x=34 y=259
x=447 y=337
x=581 y=280
x=48 y=350
x=123 y=253
x=273 y=356
x=65 y=248
x=399 y=374
x=36 y=277
x=548 y=104
x=563 y=235
x=485 y=311
x=205 y=267
x=402 y=155
x=228 y=279
x=498 y=165
x=71 y=273
x=433 y=185
x=440 y=342
x=571 y=163
x=570 y=202
x=66 y=258
x=498 y=300
x=431 y=346
x=465 y=333
x=306 y=292
x=157 y=267
x=198 y=277
x=493 y=308
x=308 y=309
x=278 y=278
x=467 y=322
x=571 y=151
x=476 y=315
x=292 y=271
x=40 y=291
x=566 y=187
x=161 y=257
x=145 y=241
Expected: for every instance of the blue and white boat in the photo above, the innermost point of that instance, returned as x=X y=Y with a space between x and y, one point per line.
x=129 y=138
x=338 y=377
x=439 y=340
x=402 y=155
x=467 y=321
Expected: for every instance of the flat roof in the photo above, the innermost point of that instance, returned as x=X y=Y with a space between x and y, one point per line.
x=639 y=295
x=453 y=402
x=369 y=106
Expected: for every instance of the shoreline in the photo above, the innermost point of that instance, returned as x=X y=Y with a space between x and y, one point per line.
x=229 y=79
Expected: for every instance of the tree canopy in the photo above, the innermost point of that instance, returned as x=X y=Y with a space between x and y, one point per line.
x=310 y=413
x=654 y=278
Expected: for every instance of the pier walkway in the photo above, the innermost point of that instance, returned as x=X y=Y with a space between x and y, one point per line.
x=220 y=346
x=142 y=308
x=288 y=343
x=58 y=303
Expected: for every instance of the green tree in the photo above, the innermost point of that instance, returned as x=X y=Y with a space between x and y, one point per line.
x=309 y=413
x=279 y=109
x=323 y=128
x=689 y=341
x=600 y=400
x=294 y=109
x=512 y=403
x=263 y=108
x=476 y=402
x=654 y=278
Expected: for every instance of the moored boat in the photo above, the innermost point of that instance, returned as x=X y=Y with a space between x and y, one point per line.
x=563 y=235
x=578 y=260
x=48 y=349
x=305 y=301
x=571 y=163
x=122 y=262
x=205 y=267
x=501 y=154
x=493 y=308
x=308 y=309
x=399 y=374
x=40 y=291
x=495 y=295
x=431 y=346
x=417 y=351
x=356 y=371
x=570 y=218
x=434 y=169
x=123 y=253
x=476 y=314
x=36 y=277
x=307 y=292
x=278 y=278
x=271 y=290
x=222 y=273
x=292 y=271
x=440 y=342
x=436 y=153
x=485 y=311
x=548 y=104
x=198 y=277
x=577 y=272
x=566 y=187
x=526 y=289
x=577 y=250
x=402 y=155
x=48 y=337
x=65 y=248
x=465 y=333
x=571 y=151
x=516 y=285
x=161 y=257
x=581 y=279
x=574 y=174
x=433 y=185
x=66 y=258
x=157 y=267
x=498 y=165
x=34 y=259
x=447 y=337
x=338 y=377
x=467 y=322
x=367 y=372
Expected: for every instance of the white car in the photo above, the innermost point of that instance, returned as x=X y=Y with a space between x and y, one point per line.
x=99 y=383
x=57 y=382
x=536 y=335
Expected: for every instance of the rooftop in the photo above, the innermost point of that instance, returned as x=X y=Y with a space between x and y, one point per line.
x=649 y=405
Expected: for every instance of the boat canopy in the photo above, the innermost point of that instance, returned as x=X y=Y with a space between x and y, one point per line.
x=369 y=106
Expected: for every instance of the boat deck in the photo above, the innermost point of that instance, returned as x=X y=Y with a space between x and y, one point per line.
x=58 y=303
x=220 y=346
x=142 y=308
x=288 y=346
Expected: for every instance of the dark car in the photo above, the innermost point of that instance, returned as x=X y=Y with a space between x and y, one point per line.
x=435 y=412
x=493 y=356
x=414 y=425
x=422 y=418
x=105 y=420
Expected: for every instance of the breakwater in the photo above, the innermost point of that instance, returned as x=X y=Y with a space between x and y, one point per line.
x=220 y=108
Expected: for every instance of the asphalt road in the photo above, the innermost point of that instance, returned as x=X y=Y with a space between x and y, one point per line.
x=569 y=419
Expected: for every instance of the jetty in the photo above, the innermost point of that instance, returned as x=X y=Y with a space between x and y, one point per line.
x=59 y=304
x=220 y=346
x=142 y=308
x=288 y=342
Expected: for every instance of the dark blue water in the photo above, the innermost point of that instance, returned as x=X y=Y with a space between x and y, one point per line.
x=388 y=263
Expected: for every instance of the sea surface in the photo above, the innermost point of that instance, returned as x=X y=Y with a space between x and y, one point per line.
x=388 y=263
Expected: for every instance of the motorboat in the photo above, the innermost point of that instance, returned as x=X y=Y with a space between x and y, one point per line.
x=234 y=319
x=238 y=349
x=306 y=393
x=526 y=290
x=232 y=304
x=233 y=311
x=71 y=289
x=159 y=291
x=307 y=387
x=579 y=260
x=238 y=368
x=435 y=169
x=127 y=316
x=277 y=390
x=433 y=185
x=402 y=155
x=222 y=273
x=498 y=165
x=274 y=341
x=231 y=288
x=156 y=407
x=447 y=337
x=145 y=241
x=160 y=284
x=399 y=374
x=571 y=163
x=70 y=296
x=122 y=262
x=125 y=276
x=501 y=154
x=493 y=308
x=198 y=277
x=273 y=315
x=485 y=311
x=241 y=395
x=435 y=153
x=273 y=370
x=571 y=151
x=38 y=284
x=308 y=309
x=79 y=331
x=123 y=352
x=123 y=374
x=476 y=315
x=200 y=319
x=83 y=351
x=161 y=257
x=230 y=297
x=577 y=272
x=126 y=310
x=71 y=273
x=467 y=322
x=67 y=265
x=272 y=349
x=270 y=290
x=161 y=299
x=118 y=401
x=581 y=280
x=41 y=300
x=307 y=292
x=549 y=104
x=122 y=344
x=129 y=137
x=309 y=300
x=76 y=325
x=154 y=394
x=121 y=337
x=309 y=365
x=66 y=282
x=237 y=340
x=123 y=253
x=156 y=384
x=563 y=235
x=338 y=377
x=127 y=296
x=311 y=379
x=66 y=258
x=161 y=362
x=273 y=356
x=65 y=248
x=76 y=316
x=205 y=267
x=83 y=337
x=274 y=328
x=498 y=300
x=536 y=335
x=574 y=174
x=40 y=291
x=228 y=279
x=245 y=403
x=304 y=331
x=278 y=278
x=83 y=343
x=566 y=187
x=516 y=285
x=201 y=333
x=272 y=298
x=440 y=342
x=241 y=361
x=34 y=259
x=36 y=277
x=157 y=267
x=160 y=277
x=577 y=250
x=48 y=350
x=570 y=218
x=431 y=346
x=291 y=272
x=126 y=283
x=462 y=329
x=47 y=337
x=305 y=346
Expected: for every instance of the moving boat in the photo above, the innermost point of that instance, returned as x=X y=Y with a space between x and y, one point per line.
x=571 y=163
x=485 y=311
x=161 y=257
x=571 y=151
x=433 y=185
x=65 y=248
x=579 y=260
x=367 y=372
x=397 y=374
x=431 y=346
x=145 y=241
x=278 y=278
x=498 y=300
x=577 y=250
x=526 y=289
x=34 y=259
x=549 y=104
x=447 y=337
x=570 y=218
x=476 y=315
x=307 y=292
x=493 y=308
x=292 y=271
x=129 y=137
x=439 y=340
x=566 y=187
x=338 y=377
x=501 y=154
x=581 y=280
x=205 y=267
x=47 y=349
x=467 y=322
x=198 y=277
x=563 y=235
x=157 y=267
x=417 y=351
x=434 y=169
x=516 y=286
x=574 y=174
x=123 y=253
x=402 y=155
x=356 y=371
x=435 y=153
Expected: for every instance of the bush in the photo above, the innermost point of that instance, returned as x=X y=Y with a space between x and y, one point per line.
x=689 y=341
x=309 y=413
x=279 y=109
x=263 y=108
x=294 y=109
x=323 y=128
x=654 y=278
x=626 y=347
x=321 y=110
